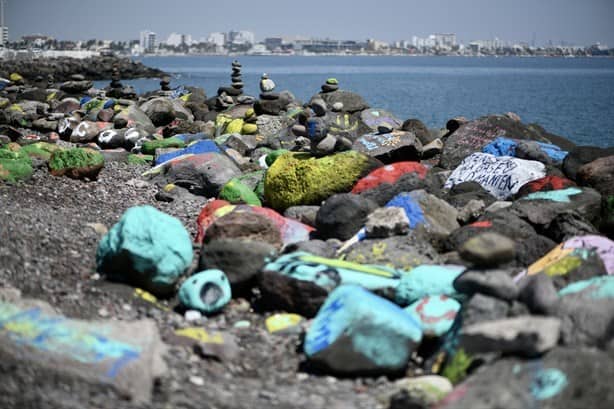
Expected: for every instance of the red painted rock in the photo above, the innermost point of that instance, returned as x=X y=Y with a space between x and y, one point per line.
x=389 y=174
x=545 y=184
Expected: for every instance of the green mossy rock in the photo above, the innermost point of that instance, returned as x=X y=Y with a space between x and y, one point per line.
x=255 y=181
x=297 y=179
x=273 y=155
x=14 y=165
x=76 y=163
x=149 y=147
x=146 y=248
x=41 y=150
x=237 y=192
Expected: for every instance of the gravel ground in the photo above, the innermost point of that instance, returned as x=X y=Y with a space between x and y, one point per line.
x=47 y=250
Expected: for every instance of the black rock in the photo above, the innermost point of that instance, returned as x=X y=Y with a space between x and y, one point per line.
x=496 y=283
x=582 y=155
x=342 y=215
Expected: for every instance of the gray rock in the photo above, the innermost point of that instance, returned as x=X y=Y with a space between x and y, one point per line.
x=342 y=215
x=385 y=222
x=586 y=322
x=537 y=292
x=488 y=250
x=527 y=335
x=243 y=144
x=402 y=252
x=320 y=248
x=471 y=211
x=304 y=214
x=496 y=283
x=241 y=260
x=102 y=357
x=351 y=101
x=440 y=217
x=563 y=378
x=481 y=308
x=390 y=147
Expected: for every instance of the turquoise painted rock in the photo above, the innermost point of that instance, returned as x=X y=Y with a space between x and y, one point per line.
x=146 y=248
x=427 y=280
x=328 y=273
x=357 y=332
x=207 y=291
x=435 y=313
x=593 y=289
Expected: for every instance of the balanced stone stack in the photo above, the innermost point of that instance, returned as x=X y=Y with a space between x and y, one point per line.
x=267 y=86
x=165 y=83
x=330 y=85
x=115 y=78
x=237 y=81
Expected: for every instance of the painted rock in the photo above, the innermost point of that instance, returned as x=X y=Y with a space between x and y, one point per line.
x=283 y=323
x=204 y=146
x=374 y=118
x=147 y=248
x=15 y=165
x=543 y=152
x=207 y=291
x=357 y=332
x=236 y=192
x=40 y=150
x=203 y=174
x=300 y=179
x=500 y=176
x=435 y=313
x=545 y=184
x=488 y=249
x=390 y=147
x=389 y=174
x=87 y=131
x=76 y=163
x=291 y=231
x=427 y=280
x=329 y=273
x=149 y=147
x=592 y=289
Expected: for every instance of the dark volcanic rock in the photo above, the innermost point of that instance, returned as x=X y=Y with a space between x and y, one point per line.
x=342 y=215
x=582 y=155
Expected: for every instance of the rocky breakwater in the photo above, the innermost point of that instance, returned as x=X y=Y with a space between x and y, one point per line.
x=62 y=68
x=320 y=254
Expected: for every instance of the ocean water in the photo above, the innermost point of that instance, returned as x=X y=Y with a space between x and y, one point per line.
x=572 y=97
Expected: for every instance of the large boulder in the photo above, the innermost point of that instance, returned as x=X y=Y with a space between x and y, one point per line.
x=390 y=147
x=342 y=215
x=598 y=174
x=300 y=179
x=96 y=360
x=472 y=136
x=582 y=155
x=351 y=101
x=163 y=111
x=146 y=248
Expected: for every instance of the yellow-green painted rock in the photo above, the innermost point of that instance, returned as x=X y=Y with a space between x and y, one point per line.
x=299 y=179
x=41 y=150
x=14 y=165
x=237 y=192
x=249 y=129
x=234 y=126
x=149 y=147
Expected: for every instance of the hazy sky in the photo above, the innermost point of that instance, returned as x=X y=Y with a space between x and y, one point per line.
x=577 y=21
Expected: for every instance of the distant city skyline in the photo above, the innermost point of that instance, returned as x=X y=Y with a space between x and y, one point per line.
x=540 y=21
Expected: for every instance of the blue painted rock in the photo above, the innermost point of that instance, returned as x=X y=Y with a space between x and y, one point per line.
x=147 y=248
x=435 y=313
x=543 y=152
x=390 y=147
x=427 y=280
x=356 y=332
x=500 y=176
x=204 y=146
x=207 y=291
x=592 y=289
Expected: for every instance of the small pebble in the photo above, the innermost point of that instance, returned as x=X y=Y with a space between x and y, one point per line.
x=197 y=380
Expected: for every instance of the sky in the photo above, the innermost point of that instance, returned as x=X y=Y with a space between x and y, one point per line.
x=580 y=22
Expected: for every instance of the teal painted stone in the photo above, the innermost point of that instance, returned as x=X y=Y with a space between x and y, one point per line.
x=357 y=332
x=594 y=288
x=329 y=273
x=207 y=291
x=560 y=196
x=428 y=280
x=146 y=248
x=435 y=313
x=548 y=383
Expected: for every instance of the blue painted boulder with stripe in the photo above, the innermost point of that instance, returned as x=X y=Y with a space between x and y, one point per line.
x=358 y=332
x=203 y=146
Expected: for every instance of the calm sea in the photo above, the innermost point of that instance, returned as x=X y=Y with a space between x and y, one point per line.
x=572 y=97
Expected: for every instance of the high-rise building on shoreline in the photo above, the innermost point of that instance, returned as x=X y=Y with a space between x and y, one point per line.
x=148 y=41
x=4 y=30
